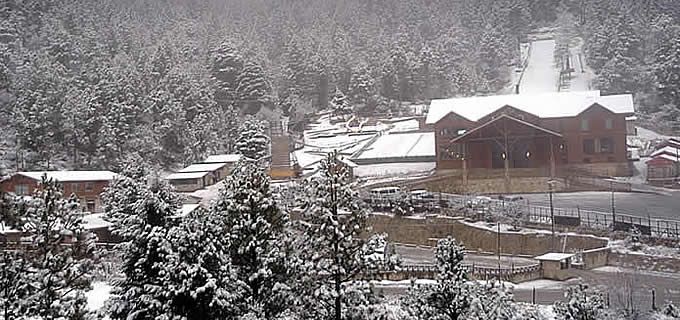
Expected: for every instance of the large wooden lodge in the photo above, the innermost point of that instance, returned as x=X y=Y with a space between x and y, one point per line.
x=543 y=135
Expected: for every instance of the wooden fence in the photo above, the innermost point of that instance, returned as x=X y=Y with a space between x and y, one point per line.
x=512 y=274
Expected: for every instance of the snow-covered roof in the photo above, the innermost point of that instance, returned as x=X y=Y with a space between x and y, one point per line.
x=204 y=167
x=348 y=162
x=664 y=156
x=631 y=118
x=71 y=176
x=186 y=175
x=401 y=145
x=543 y=105
x=95 y=221
x=667 y=150
x=223 y=158
x=186 y=210
x=554 y=256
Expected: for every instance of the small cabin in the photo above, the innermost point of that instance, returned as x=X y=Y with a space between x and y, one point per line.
x=218 y=170
x=190 y=181
x=662 y=170
x=555 y=266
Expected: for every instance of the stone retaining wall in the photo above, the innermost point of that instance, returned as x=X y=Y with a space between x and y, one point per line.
x=426 y=230
x=644 y=262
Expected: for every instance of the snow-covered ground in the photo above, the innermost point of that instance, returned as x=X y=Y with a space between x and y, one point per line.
x=394 y=170
x=540 y=74
x=98 y=295
x=583 y=76
x=621 y=246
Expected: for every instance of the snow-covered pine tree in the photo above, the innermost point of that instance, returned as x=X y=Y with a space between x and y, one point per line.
x=361 y=85
x=491 y=301
x=59 y=273
x=340 y=103
x=258 y=240
x=252 y=142
x=582 y=303
x=335 y=219
x=253 y=88
x=667 y=68
x=449 y=298
x=198 y=277
x=226 y=64
x=14 y=285
x=146 y=251
x=14 y=265
x=670 y=310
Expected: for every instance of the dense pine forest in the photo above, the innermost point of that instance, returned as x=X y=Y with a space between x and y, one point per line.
x=84 y=84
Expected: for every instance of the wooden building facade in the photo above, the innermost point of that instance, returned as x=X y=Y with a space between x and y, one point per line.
x=86 y=185
x=540 y=135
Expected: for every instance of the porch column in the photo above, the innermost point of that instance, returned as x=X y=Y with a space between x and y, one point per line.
x=465 y=171
x=506 y=164
x=552 y=159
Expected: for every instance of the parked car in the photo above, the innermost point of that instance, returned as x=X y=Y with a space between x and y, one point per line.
x=510 y=197
x=385 y=193
x=421 y=194
x=479 y=201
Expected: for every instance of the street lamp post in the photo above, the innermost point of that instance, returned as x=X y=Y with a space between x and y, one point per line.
x=611 y=186
x=552 y=212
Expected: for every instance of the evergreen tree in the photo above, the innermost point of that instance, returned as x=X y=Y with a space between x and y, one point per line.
x=252 y=141
x=667 y=69
x=59 y=274
x=582 y=303
x=670 y=310
x=258 y=245
x=253 y=89
x=146 y=251
x=361 y=85
x=449 y=298
x=340 y=104
x=14 y=265
x=226 y=64
x=491 y=301
x=335 y=219
x=198 y=278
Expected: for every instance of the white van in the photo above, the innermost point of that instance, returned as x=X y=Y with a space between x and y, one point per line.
x=385 y=193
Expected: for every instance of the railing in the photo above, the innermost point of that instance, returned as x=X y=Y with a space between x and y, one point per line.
x=474 y=271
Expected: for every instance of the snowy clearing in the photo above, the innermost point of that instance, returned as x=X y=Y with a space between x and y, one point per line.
x=98 y=295
x=540 y=74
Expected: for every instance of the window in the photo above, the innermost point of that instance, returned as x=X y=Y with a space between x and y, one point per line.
x=608 y=124
x=453 y=152
x=606 y=145
x=89 y=186
x=90 y=203
x=585 y=125
x=75 y=187
x=588 y=146
x=21 y=189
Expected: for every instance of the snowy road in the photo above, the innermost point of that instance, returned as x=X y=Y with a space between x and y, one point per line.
x=540 y=74
x=635 y=204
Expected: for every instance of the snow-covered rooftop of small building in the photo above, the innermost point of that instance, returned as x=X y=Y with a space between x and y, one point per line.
x=664 y=156
x=204 y=167
x=186 y=175
x=402 y=145
x=95 y=221
x=223 y=158
x=71 y=176
x=667 y=150
x=554 y=256
x=544 y=105
x=186 y=209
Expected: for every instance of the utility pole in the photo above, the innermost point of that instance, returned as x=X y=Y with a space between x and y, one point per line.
x=611 y=186
x=552 y=213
